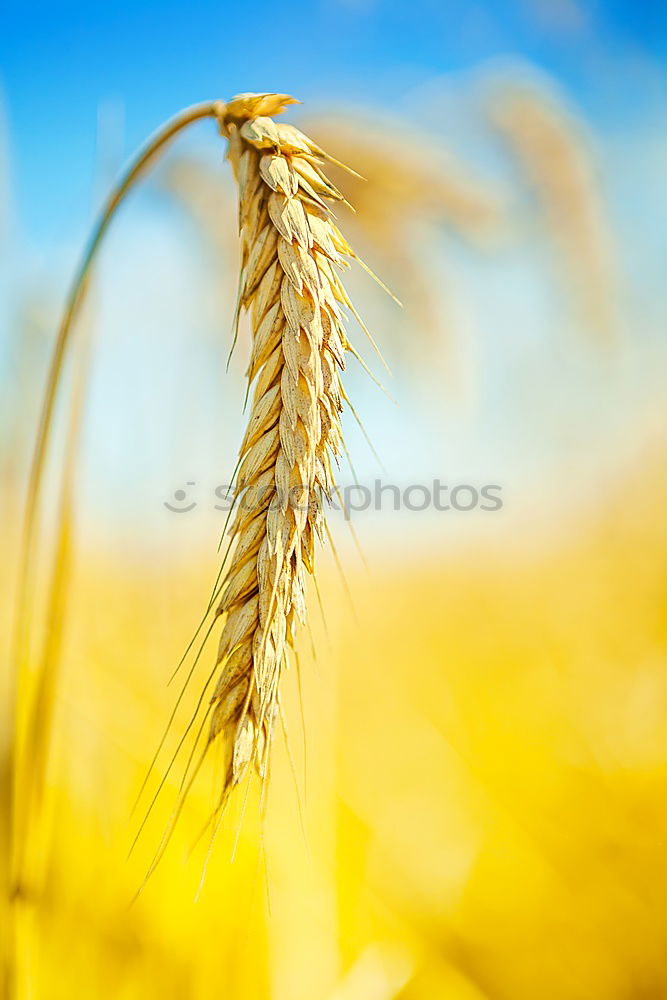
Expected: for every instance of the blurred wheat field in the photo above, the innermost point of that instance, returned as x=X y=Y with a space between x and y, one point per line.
x=482 y=803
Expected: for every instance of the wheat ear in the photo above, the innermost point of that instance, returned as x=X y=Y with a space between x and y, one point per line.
x=291 y=248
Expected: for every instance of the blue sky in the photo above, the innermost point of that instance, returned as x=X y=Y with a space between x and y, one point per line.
x=59 y=60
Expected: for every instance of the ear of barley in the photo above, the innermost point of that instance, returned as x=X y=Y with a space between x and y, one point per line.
x=291 y=249
x=552 y=148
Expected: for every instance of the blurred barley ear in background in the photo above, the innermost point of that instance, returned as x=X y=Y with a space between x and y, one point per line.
x=552 y=149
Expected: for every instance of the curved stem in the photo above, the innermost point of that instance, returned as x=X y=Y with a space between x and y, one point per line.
x=210 y=109
x=75 y=299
